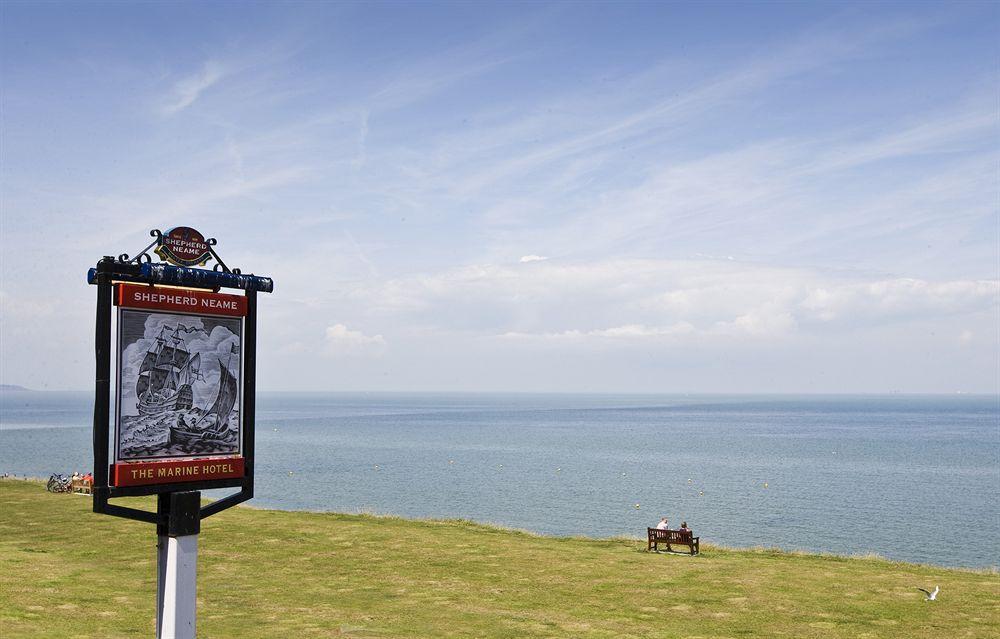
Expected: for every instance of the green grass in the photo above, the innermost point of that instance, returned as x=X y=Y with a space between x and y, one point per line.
x=66 y=572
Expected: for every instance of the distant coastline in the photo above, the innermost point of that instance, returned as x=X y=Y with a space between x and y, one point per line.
x=14 y=387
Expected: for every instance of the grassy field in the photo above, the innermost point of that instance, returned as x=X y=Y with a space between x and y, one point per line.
x=67 y=572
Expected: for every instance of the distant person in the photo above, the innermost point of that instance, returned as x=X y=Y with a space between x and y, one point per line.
x=684 y=527
x=663 y=524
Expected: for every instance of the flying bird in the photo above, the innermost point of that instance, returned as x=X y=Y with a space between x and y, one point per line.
x=931 y=596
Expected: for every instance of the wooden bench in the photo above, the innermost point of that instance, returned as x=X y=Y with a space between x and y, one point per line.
x=657 y=536
x=81 y=486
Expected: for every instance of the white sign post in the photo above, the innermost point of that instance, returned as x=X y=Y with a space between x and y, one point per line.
x=177 y=566
x=178 y=587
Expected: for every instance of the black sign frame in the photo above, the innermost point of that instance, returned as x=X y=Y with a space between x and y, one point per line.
x=140 y=269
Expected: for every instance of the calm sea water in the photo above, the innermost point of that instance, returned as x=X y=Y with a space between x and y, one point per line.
x=901 y=476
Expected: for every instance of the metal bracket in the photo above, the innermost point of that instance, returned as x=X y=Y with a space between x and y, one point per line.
x=144 y=255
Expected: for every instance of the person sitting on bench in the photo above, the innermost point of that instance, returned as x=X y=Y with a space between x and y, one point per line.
x=663 y=524
x=684 y=527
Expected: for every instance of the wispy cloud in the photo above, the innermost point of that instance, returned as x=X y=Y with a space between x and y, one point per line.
x=652 y=123
x=940 y=133
x=359 y=158
x=187 y=90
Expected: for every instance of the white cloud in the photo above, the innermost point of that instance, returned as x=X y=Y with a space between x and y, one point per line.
x=341 y=340
x=768 y=320
x=532 y=258
x=658 y=299
x=900 y=297
x=187 y=90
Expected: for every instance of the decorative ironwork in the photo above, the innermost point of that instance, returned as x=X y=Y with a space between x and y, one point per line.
x=219 y=264
x=160 y=247
x=144 y=255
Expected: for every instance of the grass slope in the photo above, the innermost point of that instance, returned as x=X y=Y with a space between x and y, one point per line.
x=66 y=572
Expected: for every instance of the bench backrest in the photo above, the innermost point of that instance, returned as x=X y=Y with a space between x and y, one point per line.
x=669 y=536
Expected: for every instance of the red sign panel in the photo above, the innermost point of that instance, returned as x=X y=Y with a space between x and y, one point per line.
x=184 y=246
x=172 y=472
x=180 y=300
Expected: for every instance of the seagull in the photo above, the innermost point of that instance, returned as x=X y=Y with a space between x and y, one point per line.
x=931 y=596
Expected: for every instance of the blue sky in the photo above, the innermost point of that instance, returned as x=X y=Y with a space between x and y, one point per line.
x=568 y=197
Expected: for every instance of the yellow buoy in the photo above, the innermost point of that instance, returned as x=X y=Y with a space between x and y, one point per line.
x=765 y=484
x=689 y=481
x=701 y=494
x=637 y=506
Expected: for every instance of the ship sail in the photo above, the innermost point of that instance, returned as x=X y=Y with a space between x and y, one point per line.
x=225 y=401
x=192 y=370
x=180 y=357
x=147 y=362
x=164 y=357
x=158 y=380
x=142 y=383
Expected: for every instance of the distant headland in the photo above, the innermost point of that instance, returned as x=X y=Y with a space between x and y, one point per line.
x=13 y=387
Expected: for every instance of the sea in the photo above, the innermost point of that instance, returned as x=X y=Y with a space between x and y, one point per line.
x=912 y=478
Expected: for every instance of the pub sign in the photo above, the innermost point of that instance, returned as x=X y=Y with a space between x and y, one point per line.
x=178 y=355
x=184 y=387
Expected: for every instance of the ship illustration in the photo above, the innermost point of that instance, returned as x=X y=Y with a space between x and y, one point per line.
x=166 y=374
x=212 y=426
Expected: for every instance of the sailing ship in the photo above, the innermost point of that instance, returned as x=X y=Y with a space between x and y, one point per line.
x=166 y=374
x=213 y=426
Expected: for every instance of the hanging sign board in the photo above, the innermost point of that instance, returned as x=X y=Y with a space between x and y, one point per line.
x=177 y=416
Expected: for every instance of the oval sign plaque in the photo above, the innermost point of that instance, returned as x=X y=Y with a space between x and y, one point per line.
x=184 y=246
